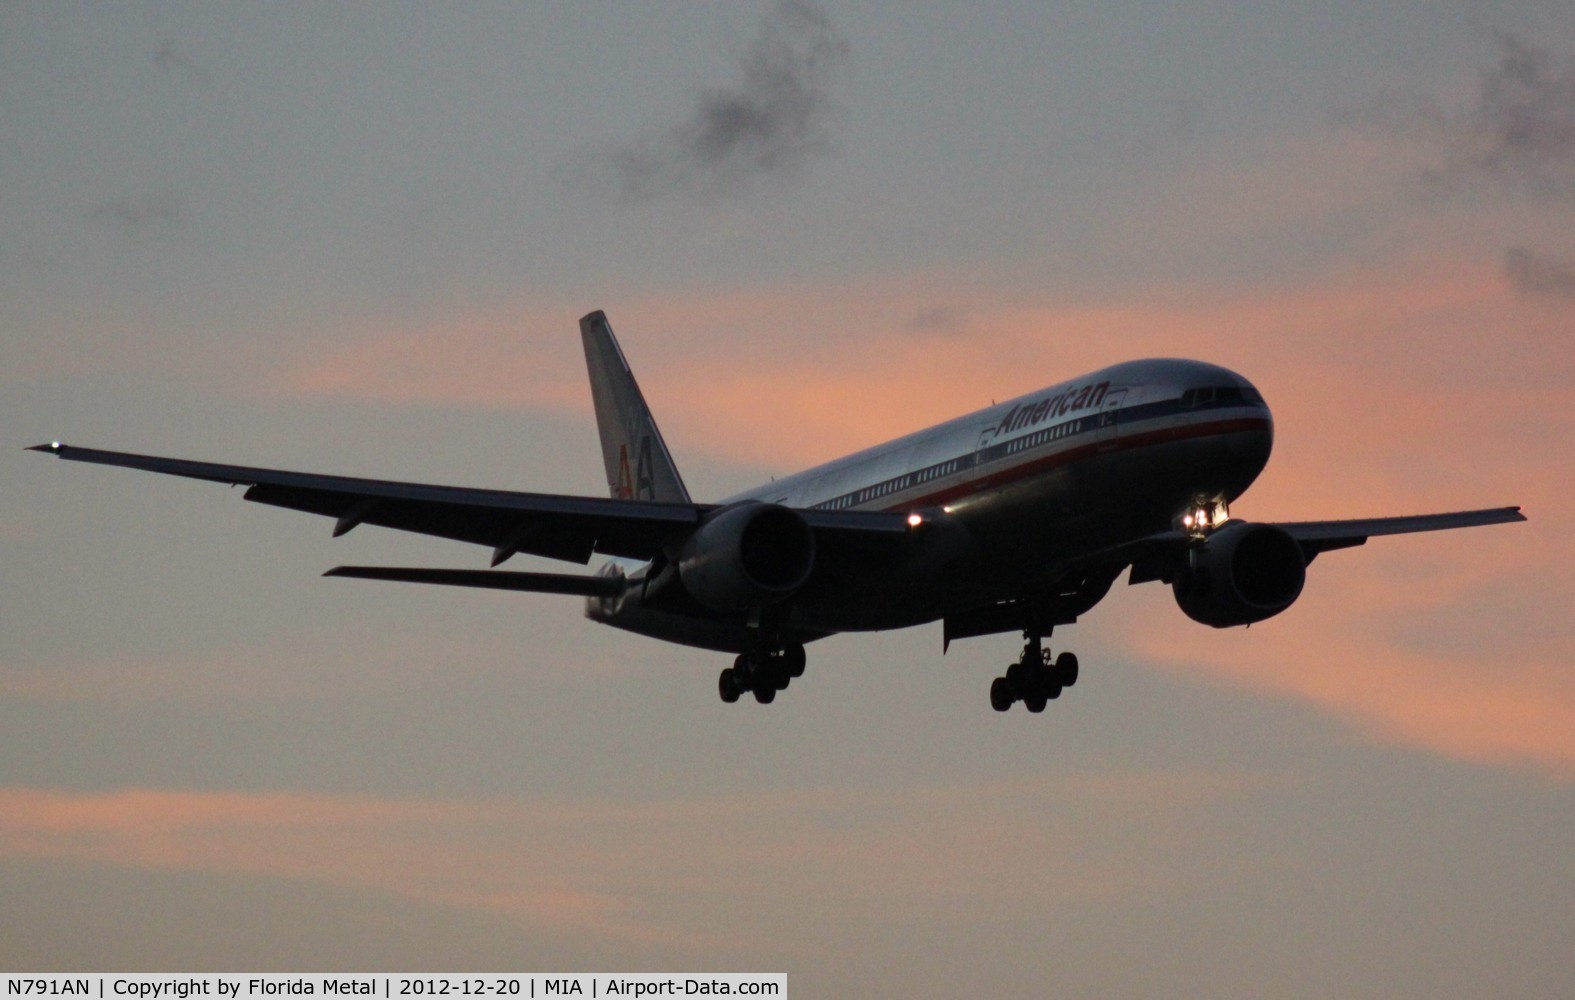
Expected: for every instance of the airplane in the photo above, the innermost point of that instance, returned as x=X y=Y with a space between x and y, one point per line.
x=1015 y=518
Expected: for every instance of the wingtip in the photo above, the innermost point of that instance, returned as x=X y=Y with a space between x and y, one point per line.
x=53 y=446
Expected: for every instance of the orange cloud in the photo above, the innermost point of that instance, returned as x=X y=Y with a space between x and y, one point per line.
x=690 y=874
x=1425 y=385
x=1417 y=642
x=452 y=853
x=799 y=375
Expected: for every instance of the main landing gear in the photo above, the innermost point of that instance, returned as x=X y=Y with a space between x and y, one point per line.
x=1035 y=679
x=763 y=672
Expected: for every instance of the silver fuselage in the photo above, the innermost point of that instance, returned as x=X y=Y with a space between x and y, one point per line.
x=1011 y=493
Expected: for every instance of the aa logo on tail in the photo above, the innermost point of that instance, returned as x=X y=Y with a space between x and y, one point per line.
x=642 y=485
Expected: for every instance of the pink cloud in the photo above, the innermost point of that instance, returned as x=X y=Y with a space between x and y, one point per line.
x=797 y=375
x=1399 y=640
x=688 y=874
x=1426 y=386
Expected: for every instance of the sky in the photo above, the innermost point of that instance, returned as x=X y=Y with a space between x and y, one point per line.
x=357 y=238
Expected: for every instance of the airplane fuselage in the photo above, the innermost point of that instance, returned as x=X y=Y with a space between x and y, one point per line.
x=1010 y=494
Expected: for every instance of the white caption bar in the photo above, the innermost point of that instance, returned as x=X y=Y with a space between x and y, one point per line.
x=394 y=986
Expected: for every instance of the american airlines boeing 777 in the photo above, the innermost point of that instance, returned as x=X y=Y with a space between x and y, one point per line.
x=1015 y=518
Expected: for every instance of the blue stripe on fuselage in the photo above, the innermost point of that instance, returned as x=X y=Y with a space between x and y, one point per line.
x=1061 y=444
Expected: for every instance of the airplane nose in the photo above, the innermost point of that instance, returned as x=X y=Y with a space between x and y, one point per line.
x=1250 y=447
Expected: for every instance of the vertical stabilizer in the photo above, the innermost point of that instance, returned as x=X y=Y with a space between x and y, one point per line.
x=638 y=464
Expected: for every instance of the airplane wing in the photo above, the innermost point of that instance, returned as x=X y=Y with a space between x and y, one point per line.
x=495 y=579
x=570 y=528
x=1321 y=536
x=1154 y=557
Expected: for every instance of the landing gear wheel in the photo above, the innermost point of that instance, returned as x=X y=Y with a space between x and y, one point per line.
x=1018 y=677
x=1001 y=696
x=793 y=660
x=761 y=671
x=1036 y=679
x=1066 y=669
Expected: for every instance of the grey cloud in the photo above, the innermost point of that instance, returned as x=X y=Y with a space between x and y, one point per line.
x=173 y=58
x=139 y=215
x=1526 y=118
x=1539 y=274
x=776 y=117
x=1528 y=109
x=1514 y=138
x=938 y=320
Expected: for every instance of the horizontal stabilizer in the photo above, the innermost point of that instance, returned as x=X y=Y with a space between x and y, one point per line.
x=496 y=579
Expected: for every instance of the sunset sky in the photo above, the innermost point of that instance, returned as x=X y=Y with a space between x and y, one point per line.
x=357 y=238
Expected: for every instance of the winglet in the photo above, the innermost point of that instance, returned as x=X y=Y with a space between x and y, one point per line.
x=639 y=466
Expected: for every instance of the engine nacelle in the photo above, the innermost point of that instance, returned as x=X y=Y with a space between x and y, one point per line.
x=747 y=555
x=1242 y=574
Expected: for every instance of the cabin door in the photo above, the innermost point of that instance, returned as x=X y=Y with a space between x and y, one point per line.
x=1106 y=420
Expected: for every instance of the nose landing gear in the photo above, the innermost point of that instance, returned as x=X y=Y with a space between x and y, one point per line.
x=1035 y=679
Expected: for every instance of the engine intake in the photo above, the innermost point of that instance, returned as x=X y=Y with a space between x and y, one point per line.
x=1242 y=574
x=747 y=555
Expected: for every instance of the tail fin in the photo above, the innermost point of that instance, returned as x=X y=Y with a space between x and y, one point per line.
x=639 y=466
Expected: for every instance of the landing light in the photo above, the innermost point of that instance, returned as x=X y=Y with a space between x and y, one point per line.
x=1205 y=515
x=914 y=520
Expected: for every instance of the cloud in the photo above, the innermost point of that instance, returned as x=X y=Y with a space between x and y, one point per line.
x=1383 y=383
x=281 y=670
x=1526 y=118
x=1517 y=135
x=173 y=58
x=808 y=372
x=939 y=320
x=141 y=214
x=1343 y=648
x=1539 y=274
x=771 y=121
x=701 y=874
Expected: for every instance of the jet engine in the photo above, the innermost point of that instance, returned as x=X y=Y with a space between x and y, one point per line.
x=1243 y=573
x=747 y=555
